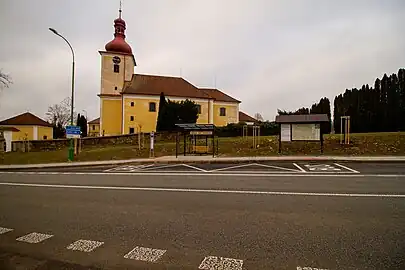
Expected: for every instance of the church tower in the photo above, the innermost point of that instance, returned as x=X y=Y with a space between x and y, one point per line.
x=117 y=67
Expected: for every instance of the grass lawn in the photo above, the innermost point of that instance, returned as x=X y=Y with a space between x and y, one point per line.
x=392 y=143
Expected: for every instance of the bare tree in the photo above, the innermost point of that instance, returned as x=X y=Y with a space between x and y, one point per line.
x=59 y=114
x=5 y=80
x=258 y=117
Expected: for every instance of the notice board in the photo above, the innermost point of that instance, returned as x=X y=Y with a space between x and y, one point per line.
x=306 y=132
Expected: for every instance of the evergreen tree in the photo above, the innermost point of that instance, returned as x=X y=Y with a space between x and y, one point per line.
x=83 y=125
x=161 y=124
x=401 y=99
x=78 y=120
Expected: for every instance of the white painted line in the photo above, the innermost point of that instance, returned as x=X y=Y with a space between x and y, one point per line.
x=193 y=167
x=213 y=262
x=145 y=254
x=219 y=191
x=299 y=167
x=231 y=167
x=229 y=174
x=84 y=245
x=310 y=268
x=276 y=167
x=347 y=168
x=162 y=167
x=34 y=238
x=5 y=230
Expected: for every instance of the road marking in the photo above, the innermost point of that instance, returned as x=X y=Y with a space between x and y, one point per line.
x=161 y=167
x=231 y=167
x=300 y=168
x=347 y=168
x=34 y=238
x=145 y=254
x=275 y=167
x=84 y=245
x=219 y=191
x=321 y=167
x=195 y=168
x=213 y=262
x=229 y=174
x=309 y=268
x=5 y=230
x=129 y=168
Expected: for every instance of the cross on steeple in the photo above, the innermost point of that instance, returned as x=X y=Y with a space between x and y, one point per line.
x=120 y=10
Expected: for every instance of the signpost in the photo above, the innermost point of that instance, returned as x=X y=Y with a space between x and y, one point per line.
x=152 y=144
x=73 y=132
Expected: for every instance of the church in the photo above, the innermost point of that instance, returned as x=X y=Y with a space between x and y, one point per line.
x=129 y=102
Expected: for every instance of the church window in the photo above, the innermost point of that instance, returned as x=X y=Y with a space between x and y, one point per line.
x=131 y=130
x=132 y=104
x=116 y=68
x=152 y=106
x=132 y=118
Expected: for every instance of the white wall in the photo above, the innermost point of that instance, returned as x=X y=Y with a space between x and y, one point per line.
x=8 y=136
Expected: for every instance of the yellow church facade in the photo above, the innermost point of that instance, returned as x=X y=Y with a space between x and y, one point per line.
x=129 y=102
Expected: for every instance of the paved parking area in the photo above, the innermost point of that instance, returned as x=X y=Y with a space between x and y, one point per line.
x=265 y=167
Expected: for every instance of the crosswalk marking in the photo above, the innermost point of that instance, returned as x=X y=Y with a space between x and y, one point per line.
x=145 y=254
x=84 y=245
x=5 y=230
x=213 y=262
x=34 y=238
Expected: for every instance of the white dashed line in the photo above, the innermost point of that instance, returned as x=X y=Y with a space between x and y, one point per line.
x=145 y=254
x=213 y=262
x=5 y=230
x=347 y=168
x=84 y=245
x=34 y=238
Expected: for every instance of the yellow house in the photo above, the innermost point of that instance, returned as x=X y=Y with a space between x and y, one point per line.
x=129 y=102
x=27 y=126
x=93 y=129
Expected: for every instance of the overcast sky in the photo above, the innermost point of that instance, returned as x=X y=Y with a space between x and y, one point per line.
x=269 y=54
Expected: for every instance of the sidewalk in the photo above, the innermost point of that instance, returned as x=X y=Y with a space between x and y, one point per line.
x=208 y=159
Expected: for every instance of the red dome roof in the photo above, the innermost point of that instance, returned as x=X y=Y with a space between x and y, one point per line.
x=118 y=44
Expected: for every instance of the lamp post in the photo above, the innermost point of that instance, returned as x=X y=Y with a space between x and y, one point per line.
x=71 y=150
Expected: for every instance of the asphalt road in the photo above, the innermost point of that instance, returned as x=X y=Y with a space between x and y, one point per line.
x=176 y=222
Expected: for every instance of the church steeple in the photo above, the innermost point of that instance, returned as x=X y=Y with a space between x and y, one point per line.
x=118 y=44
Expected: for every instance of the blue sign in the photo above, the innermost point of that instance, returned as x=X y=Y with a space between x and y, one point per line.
x=73 y=132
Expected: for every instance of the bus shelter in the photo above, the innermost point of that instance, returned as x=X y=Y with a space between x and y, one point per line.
x=197 y=139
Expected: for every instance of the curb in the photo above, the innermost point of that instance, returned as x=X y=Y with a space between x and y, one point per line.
x=222 y=160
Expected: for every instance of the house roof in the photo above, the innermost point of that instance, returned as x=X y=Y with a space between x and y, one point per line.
x=95 y=121
x=142 y=84
x=302 y=118
x=9 y=129
x=25 y=119
x=243 y=117
x=219 y=95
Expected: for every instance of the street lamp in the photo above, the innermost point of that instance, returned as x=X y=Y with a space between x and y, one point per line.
x=71 y=151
